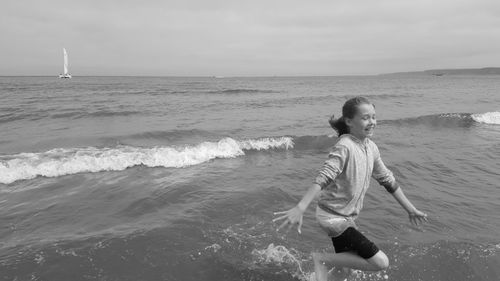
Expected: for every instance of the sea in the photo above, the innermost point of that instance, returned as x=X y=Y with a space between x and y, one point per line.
x=177 y=178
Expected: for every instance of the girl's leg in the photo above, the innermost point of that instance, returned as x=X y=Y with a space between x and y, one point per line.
x=321 y=271
x=350 y=260
x=319 y=268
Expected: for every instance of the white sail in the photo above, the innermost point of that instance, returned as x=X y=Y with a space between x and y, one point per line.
x=65 y=73
x=65 y=62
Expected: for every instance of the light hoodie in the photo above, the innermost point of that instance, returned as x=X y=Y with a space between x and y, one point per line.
x=345 y=177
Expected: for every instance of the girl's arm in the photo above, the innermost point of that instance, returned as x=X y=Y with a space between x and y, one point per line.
x=332 y=167
x=309 y=197
x=295 y=215
x=416 y=216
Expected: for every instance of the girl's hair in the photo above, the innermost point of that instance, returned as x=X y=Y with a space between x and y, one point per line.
x=348 y=111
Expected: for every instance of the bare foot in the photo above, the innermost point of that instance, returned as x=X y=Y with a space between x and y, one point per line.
x=340 y=274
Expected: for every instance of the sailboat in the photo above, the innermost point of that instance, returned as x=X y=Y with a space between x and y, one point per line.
x=65 y=74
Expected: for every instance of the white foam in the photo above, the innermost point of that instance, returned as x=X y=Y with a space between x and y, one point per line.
x=59 y=162
x=487 y=118
x=278 y=255
x=267 y=143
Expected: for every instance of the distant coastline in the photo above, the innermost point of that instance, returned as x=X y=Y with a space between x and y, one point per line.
x=443 y=72
x=430 y=72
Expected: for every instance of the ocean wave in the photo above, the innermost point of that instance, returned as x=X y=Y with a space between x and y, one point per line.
x=19 y=115
x=487 y=118
x=172 y=135
x=321 y=143
x=449 y=119
x=97 y=113
x=62 y=161
x=327 y=98
x=241 y=91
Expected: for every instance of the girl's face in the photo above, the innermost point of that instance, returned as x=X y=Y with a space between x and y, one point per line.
x=363 y=123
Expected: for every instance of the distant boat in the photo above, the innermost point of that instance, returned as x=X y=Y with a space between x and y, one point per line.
x=65 y=74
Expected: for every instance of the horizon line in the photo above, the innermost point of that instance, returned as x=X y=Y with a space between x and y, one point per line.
x=268 y=76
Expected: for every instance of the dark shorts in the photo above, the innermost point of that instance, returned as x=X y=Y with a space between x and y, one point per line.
x=351 y=240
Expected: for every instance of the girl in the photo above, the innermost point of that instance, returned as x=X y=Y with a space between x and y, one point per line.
x=342 y=184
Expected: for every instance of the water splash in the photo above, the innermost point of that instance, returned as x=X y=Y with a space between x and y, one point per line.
x=281 y=255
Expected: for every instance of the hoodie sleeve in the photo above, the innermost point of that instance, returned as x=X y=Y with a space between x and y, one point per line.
x=382 y=174
x=332 y=167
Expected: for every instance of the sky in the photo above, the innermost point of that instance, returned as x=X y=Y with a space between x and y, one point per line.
x=246 y=38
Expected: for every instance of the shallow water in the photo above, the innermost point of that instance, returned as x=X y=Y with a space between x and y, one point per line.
x=134 y=178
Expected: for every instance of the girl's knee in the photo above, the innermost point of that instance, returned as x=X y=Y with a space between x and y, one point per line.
x=379 y=260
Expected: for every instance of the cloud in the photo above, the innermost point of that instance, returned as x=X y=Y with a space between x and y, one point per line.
x=247 y=37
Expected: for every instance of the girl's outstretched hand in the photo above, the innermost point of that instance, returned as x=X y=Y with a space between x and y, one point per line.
x=417 y=217
x=291 y=217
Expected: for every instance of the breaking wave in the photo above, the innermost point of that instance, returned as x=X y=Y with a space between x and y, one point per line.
x=450 y=119
x=487 y=118
x=66 y=161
